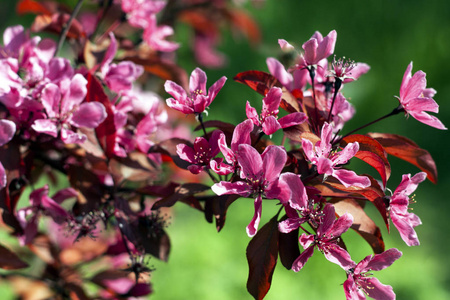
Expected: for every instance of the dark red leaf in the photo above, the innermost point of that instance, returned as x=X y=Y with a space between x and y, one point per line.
x=372 y=153
x=288 y=247
x=362 y=224
x=244 y=23
x=9 y=260
x=409 y=151
x=55 y=23
x=106 y=131
x=262 y=255
x=259 y=81
x=216 y=207
x=183 y=191
x=154 y=240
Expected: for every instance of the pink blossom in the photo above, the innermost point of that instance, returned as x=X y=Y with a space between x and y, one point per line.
x=359 y=284
x=403 y=220
x=197 y=100
x=42 y=203
x=205 y=52
x=202 y=153
x=268 y=119
x=318 y=47
x=65 y=109
x=327 y=160
x=139 y=11
x=296 y=80
x=326 y=239
x=342 y=112
x=416 y=99
x=261 y=178
x=155 y=36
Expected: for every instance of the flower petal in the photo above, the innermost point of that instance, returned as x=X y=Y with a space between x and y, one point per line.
x=252 y=228
x=7 y=131
x=89 y=115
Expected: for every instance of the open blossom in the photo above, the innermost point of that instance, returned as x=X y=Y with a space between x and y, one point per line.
x=268 y=119
x=416 y=99
x=198 y=99
x=359 y=284
x=203 y=152
x=342 y=112
x=261 y=178
x=327 y=161
x=65 y=109
x=326 y=239
x=403 y=220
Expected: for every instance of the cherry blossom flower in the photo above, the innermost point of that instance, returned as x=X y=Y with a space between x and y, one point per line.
x=155 y=36
x=202 y=153
x=295 y=81
x=318 y=48
x=327 y=160
x=7 y=131
x=197 y=100
x=65 y=109
x=403 y=220
x=342 y=112
x=268 y=119
x=261 y=173
x=359 y=284
x=416 y=99
x=139 y=11
x=326 y=239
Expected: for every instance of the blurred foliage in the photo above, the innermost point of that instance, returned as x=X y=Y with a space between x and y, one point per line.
x=387 y=35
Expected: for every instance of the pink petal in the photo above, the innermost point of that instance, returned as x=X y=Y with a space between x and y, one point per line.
x=292 y=119
x=195 y=169
x=383 y=260
x=252 y=228
x=89 y=115
x=341 y=225
x=226 y=188
x=290 y=224
x=186 y=153
x=172 y=103
x=339 y=256
x=175 y=91
x=70 y=137
x=326 y=46
x=64 y=194
x=14 y=37
x=76 y=94
x=270 y=125
x=302 y=259
x=252 y=114
x=284 y=45
x=310 y=48
x=250 y=161
x=3 y=178
x=271 y=102
x=241 y=134
x=7 y=131
x=421 y=104
x=405 y=81
x=328 y=219
x=46 y=126
x=408 y=185
x=308 y=146
x=273 y=161
x=352 y=292
x=324 y=166
x=51 y=98
x=406 y=230
x=346 y=154
x=57 y=213
x=197 y=81
x=375 y=289
x=278 y=70
x=299 y=198
x=415 y=87
x=349 y=178
x=429 y=120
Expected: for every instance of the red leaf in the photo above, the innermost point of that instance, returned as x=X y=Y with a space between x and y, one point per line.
x=30 y=6
x=409 y=151
x=245 y=24
x=372 y=153
x=259 y=81
x=217 y=206
x=288 y=247
x=181 y=192
x=362 y=224
x=106 y=131
x=262 y=254
x=373 y=193
x=9 y=260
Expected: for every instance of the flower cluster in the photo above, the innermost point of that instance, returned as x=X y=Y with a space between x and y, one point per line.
x=110 y=151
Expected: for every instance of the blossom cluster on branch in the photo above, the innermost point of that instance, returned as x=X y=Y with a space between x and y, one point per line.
x=110 y=150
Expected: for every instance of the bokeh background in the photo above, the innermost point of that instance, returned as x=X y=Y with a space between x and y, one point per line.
x=387 y=35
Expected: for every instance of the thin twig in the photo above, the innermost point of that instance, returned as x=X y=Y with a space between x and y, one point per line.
x=66 y=26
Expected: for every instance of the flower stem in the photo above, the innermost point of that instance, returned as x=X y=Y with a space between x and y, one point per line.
x=312 y=74
x=396 y=110
x=200 y=119
x=337 y=86
x=66 y=26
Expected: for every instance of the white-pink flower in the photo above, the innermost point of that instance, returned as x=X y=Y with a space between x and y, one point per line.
x=416 y=99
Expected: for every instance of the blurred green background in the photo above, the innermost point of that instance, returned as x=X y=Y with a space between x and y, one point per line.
x=387 y=35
